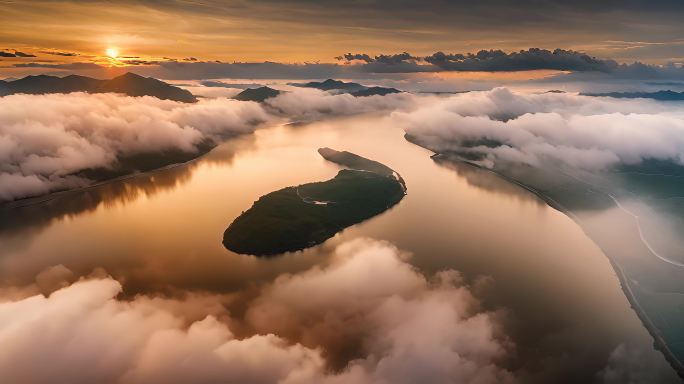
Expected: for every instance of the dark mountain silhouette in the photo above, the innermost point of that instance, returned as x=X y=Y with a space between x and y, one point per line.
x=136 y=85
x=129 y=84
x=354 y=89
x=257 y=94
x=4 y=89
x=659 y=95
x=370 y=91
x=52 y=84
x=331 y=85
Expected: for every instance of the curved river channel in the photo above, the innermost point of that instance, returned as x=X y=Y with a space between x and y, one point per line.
x=161 y=231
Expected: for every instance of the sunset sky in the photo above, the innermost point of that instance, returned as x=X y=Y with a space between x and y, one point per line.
x=296 y=31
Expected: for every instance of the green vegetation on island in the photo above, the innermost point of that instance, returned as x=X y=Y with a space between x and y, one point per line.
x=299 y=217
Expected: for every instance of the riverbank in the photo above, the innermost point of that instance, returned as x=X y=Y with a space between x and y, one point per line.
x=660 y=343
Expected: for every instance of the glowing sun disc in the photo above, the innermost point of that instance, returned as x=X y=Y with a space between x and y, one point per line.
x=112 y=52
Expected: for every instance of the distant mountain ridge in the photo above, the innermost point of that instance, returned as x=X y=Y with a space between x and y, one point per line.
x=355 y=89
x=667 y=95
x=129 y=84
x=257 y=94
x=330 y=85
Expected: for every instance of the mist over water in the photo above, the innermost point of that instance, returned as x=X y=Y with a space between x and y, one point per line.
x=550 y=302
x=615 y=167
x=329 y=192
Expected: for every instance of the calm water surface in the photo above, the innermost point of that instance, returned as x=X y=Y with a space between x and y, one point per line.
x=161 y=233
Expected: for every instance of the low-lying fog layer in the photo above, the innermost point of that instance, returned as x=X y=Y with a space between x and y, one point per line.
x=44 y=148
x=579 y=131
x=409 y=327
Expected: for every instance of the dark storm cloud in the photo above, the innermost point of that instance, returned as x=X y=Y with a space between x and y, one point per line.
x=355 y=56
x=58 y=53
x=387 y=63
x=581 y=65
x=141 y=62
x=23 y=54
x=533 y=58
x=394 y=59
x=14 y=53
x=397 y=58
x=485 y=61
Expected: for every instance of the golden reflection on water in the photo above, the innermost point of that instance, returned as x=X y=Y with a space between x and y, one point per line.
x=161 y=232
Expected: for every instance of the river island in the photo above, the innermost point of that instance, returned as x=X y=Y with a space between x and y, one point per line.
x=299 y=217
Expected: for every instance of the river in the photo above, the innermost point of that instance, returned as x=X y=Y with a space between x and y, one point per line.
x=161 y=232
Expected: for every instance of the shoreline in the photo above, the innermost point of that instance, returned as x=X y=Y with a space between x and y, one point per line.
x=658 y=341
x=375 y=189
x=202 y=151
x=35 y=200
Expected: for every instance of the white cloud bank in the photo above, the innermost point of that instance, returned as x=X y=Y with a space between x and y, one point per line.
x=580 y=131
x=45 y=138
x=307 y=103
x=411 y=330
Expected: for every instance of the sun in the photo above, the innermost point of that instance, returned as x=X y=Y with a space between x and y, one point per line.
x=112 y=52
